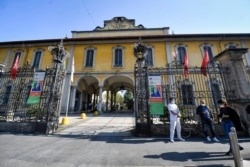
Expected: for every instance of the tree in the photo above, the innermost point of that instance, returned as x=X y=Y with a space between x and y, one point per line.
x=128 y=99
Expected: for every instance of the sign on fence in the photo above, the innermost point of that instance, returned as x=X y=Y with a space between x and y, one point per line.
x=155 y=95
x=36 y=89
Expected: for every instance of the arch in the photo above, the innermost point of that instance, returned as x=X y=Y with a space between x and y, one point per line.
x=115 y=82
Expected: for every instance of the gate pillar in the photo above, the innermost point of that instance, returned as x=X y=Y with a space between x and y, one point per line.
x=237 y=81
x=51 y=96
x=141 y=105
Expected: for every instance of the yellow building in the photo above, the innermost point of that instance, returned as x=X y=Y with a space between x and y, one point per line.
x=103 y=59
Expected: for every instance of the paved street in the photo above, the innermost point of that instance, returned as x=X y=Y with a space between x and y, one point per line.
x=106 y=140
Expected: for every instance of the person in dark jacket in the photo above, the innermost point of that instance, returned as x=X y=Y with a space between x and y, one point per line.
x=229 y=118
x=206 y=119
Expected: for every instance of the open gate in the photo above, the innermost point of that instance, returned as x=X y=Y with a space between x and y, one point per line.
x=42 y=115
x=186 y=90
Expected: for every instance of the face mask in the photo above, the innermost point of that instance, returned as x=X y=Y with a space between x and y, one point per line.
x=221 y=106
x=203 y=104
x=172 y=101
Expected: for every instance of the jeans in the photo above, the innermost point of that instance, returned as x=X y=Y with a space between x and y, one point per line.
x=208 y=122
x=227 y=125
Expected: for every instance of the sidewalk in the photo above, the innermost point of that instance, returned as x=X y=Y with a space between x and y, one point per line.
x=115 y=131
x=106 y=140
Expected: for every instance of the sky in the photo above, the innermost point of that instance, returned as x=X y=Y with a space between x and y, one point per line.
x=55 y=19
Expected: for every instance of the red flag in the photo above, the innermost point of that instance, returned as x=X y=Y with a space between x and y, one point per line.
x=205 y=63
x=185 y=65
x=14 y=68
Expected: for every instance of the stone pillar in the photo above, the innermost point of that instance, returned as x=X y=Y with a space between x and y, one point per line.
x=237 y=81
x=107 y=100
x=99 y=107
x=115 y=102
x=72 y=98
x=111 y=101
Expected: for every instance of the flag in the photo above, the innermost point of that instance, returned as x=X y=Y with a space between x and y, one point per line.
x=185 y=65
x=205 y=63
x=14 y=68
x=72 y=69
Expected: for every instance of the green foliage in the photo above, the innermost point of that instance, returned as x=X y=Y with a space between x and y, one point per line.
x=128 y=100
x=36 y=113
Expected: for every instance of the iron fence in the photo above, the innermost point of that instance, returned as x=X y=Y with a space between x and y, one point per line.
x=189 y=90
x=14 y=94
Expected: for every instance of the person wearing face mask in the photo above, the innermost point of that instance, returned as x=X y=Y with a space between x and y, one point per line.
x=229 y=118
x=206 y=119
x=174 y=115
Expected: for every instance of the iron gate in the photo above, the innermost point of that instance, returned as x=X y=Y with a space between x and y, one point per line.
x=14 y=94
x=187 y=90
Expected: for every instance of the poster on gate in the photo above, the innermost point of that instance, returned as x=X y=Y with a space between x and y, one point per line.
x=155 y=95
x=36 y=88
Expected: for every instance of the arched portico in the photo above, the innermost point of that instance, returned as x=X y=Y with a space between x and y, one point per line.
x=113 y=84
x=86 y=92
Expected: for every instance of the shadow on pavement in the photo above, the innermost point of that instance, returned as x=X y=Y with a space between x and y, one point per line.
x=192 y=156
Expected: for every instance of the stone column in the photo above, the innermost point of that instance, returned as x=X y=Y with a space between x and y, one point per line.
x=72 y=98
x=112 y=101
x=99 y=107
x=237 y=81
x=107 y=100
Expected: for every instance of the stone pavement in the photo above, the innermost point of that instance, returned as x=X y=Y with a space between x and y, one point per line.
x=106 y=140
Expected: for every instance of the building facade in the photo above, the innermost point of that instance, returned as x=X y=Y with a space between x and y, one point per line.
x=103 y=60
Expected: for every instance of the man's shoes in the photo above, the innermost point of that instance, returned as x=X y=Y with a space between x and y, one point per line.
x=172 y=141
x=215 y=139
x=181 y=139
x=228 y=153
x=208 y=138
x=241 y=148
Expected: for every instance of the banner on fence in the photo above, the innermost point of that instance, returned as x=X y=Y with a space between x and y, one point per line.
x=36 y=88
x=155 y=95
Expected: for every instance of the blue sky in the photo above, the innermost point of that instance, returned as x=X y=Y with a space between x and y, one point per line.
x=50 y=19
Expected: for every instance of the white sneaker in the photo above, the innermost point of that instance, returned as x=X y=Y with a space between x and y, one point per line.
x=215 y=139
x=181 y=139
x=171 y=141
x=208 y=138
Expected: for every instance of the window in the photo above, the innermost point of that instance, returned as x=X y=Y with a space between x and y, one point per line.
x=181 y=51
x=149 y=57
x=210 y=51
x=118 y=57
x=216 y=92
x=187 y=94
x=89 y=58
x=6 y=94
x=17 y=54
x=37 y=59
x=215 y=89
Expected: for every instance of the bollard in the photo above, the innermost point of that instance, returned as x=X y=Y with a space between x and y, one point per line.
x=65 y=121
x=83 y=115
x=235 y=148
x=96 y=113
